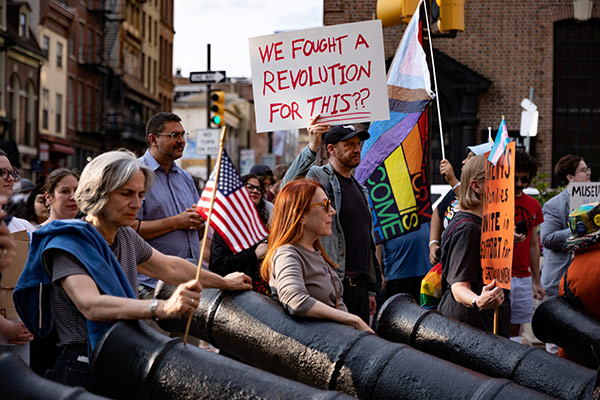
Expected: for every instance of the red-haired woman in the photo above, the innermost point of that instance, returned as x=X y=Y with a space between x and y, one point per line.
x=300 y=274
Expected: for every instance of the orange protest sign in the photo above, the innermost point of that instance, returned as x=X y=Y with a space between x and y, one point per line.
x=498 y=225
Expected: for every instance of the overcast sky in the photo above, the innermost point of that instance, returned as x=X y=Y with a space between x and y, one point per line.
x=227 y=25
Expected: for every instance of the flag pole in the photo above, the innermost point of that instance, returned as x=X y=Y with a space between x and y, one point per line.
x=495 y=321
x=437 y=94
x=207 y=223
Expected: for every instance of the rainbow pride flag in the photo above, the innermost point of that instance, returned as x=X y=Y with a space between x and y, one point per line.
x=500 y=143
x=409 y=93
x=431 y=287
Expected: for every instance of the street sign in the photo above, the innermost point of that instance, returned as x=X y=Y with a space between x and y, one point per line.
x=207 y=141
x=207 y=77
x=529 y=118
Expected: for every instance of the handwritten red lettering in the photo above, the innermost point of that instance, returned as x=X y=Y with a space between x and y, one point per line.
x=267 y=83
x=360 y=40
x=280 y=78
x=284 y=111
x=269 y=50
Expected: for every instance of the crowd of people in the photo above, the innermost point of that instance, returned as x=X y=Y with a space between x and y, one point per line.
x=104 y=238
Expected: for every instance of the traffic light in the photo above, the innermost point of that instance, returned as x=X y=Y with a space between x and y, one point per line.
x=394 y=12
x=449 y=15
x=217 y=108
x=452 y=15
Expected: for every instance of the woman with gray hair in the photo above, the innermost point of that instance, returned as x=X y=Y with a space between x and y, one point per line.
x=86 y=270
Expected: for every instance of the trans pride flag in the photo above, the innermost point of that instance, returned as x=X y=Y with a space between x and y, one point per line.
x=500 y=143
x=409 y=93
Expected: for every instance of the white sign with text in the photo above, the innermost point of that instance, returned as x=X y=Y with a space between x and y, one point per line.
x=207 y=142
x=337 y=71
x=583 y=193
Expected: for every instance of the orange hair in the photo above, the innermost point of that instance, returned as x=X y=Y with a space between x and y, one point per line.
x=290 y=205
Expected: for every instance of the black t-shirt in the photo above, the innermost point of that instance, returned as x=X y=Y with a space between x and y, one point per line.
x=460 y=263
x=355 y=218
x=447 y=207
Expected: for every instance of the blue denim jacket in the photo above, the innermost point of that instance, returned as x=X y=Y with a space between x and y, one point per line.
x=334 y=245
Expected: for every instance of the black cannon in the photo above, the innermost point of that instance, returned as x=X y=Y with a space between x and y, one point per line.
x=324 y=354
x=557 y=321
x=402 y=320
x=18 y=382
x=134 y=361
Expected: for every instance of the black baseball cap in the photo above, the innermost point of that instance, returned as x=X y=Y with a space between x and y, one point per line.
x=340 y=133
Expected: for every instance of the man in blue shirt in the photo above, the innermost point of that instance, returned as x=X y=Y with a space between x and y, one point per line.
x=168 y=220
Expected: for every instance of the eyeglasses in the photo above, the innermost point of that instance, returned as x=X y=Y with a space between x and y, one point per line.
x=325 y=203
x=174 y=135
x=585 y=170
x=252 y=188
x=523 y=179
x=5 y=173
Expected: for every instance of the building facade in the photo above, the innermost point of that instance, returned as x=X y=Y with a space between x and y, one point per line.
x=508 y=47
x=53 y=36
x=21 y=60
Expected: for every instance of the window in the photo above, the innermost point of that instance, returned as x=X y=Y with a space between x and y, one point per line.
x=46 y=44
x=45 y=105
x=70 y=104
x=90 y=46
x=81 y=41
x=80 y=106
x=59 y=55
x=98 y=114
x=72 y=43
x=22 y=25
x=59 y=105
x=576 y=110
x=89 y=108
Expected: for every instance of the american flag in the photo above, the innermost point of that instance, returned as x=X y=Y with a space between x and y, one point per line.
x=234 y=215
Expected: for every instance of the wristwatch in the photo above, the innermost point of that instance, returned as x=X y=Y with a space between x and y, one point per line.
x=474 y=302
x=153 y=307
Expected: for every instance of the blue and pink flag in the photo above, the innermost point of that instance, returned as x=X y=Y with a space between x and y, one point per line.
x=409 y=93
x=500 y=143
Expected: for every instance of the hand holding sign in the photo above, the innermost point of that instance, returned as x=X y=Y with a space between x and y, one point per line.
x=315 y=132
x=491 y=297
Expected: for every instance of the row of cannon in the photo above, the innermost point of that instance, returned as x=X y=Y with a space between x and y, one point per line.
x=416 y=354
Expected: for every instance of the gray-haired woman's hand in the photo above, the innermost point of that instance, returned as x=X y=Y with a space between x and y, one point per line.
x=185 y=299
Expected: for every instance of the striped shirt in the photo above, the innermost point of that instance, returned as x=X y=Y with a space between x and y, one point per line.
x=130 y=250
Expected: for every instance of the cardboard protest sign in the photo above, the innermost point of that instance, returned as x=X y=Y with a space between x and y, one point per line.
x=498 y=221
x=10 y=275
x=583 y=193
x=337 y=71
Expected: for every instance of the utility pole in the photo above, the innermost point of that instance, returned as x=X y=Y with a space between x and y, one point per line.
x=208 y=98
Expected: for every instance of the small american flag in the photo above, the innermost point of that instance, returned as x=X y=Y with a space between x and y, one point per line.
x=234 y=215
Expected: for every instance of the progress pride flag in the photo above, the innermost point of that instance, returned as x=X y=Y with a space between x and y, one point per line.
x=336 y=71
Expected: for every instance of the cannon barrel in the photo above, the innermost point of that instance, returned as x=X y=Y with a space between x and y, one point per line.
x=134 y=361
x=402 y=320
x=17 y=381
x=557 y=321
x=324 y=354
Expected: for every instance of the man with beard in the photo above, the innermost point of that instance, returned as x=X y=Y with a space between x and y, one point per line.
x=168 y=220
x=525 y=282
x=350 y=244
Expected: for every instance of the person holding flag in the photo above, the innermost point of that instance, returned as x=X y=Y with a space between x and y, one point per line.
x=81 y=275
x=224 y=260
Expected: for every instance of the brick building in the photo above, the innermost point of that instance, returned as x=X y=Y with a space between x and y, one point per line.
x=484 y=72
